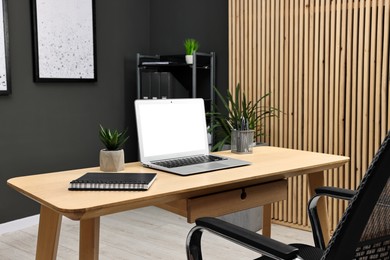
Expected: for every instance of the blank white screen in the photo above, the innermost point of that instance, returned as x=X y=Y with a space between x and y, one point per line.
x=171 y=128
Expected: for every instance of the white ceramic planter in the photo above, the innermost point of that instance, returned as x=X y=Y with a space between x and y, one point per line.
x=112 y=161
x=189 y=59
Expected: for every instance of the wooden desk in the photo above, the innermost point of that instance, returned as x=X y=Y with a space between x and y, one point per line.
x=183 y=195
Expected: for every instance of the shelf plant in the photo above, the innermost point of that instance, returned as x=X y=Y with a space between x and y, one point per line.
x=112 y=157
x=242 y=114
x=190 y=45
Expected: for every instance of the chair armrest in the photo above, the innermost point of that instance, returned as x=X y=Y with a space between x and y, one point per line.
x=338 y=193
x=334 y=192
x=239 y=235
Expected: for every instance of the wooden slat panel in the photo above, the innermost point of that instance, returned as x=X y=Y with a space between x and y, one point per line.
x=326 y=64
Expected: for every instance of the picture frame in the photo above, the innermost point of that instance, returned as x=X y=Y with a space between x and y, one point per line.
x=64 y=40
x=5 y=75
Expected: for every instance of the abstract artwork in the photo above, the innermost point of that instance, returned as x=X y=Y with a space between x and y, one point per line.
x=64 y=39
x=5 y=83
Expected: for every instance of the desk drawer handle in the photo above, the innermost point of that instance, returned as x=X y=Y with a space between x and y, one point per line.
x=243 y=194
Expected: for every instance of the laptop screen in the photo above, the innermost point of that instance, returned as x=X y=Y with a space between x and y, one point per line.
x=169 y=128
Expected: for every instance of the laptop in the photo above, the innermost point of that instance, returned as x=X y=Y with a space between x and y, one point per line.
x=172 y=136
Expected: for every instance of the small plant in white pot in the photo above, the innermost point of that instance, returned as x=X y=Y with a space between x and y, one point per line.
x=191 y=46
x=112 y=158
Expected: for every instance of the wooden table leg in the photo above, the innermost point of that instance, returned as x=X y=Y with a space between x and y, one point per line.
x=316 y=180
x=266 y=231
x=89 y=239
x=48 y=234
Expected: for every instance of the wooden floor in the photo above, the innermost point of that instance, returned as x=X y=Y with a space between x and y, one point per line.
x=147 y=233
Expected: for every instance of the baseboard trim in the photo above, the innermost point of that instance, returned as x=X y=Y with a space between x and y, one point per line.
x=19 y=224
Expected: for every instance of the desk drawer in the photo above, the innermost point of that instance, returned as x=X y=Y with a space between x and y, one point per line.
x=226 y=202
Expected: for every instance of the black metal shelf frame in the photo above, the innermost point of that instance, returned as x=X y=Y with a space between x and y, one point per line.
x=201 y=60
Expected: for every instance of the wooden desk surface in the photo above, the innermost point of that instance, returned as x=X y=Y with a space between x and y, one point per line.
x=268 y=163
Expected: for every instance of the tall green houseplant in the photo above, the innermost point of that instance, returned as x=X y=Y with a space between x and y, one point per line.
x=240 y=113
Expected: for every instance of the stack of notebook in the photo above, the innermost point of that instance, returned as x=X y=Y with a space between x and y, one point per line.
x=113 y=181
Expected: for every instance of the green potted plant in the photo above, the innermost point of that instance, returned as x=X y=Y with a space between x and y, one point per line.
x=243 y=118
x=112 y=158
x=191 y=46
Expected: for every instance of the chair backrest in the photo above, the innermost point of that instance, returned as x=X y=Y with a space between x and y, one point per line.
x=365 y=226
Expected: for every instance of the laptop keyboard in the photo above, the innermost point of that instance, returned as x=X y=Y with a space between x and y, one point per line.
x=184 y=161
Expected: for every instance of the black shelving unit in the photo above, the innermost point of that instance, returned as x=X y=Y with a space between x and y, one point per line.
x=169 y=76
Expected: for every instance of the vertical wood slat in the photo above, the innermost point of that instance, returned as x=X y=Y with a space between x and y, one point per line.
x=326 y=65
x=353 y=75
x=348 y=94
x=342 y=113
x=280 y=205
x=371 y=82
x=385 y=66
x=290 y=94
x=378 y=92
x=333 y=100
x=286 y=112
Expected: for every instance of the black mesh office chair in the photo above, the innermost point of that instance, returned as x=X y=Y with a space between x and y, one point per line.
x=362 y=233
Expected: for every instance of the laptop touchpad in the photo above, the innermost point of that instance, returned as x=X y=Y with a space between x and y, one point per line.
x=211 y=166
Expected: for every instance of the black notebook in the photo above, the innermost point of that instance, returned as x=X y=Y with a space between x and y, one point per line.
x=113 y=181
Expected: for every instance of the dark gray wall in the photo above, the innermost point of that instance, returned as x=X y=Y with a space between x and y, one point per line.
x=207 y=21
x=47 y=127
x=53 y=126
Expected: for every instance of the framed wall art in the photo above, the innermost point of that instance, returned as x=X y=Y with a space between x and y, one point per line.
x=5 y=78
x=64 y=40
